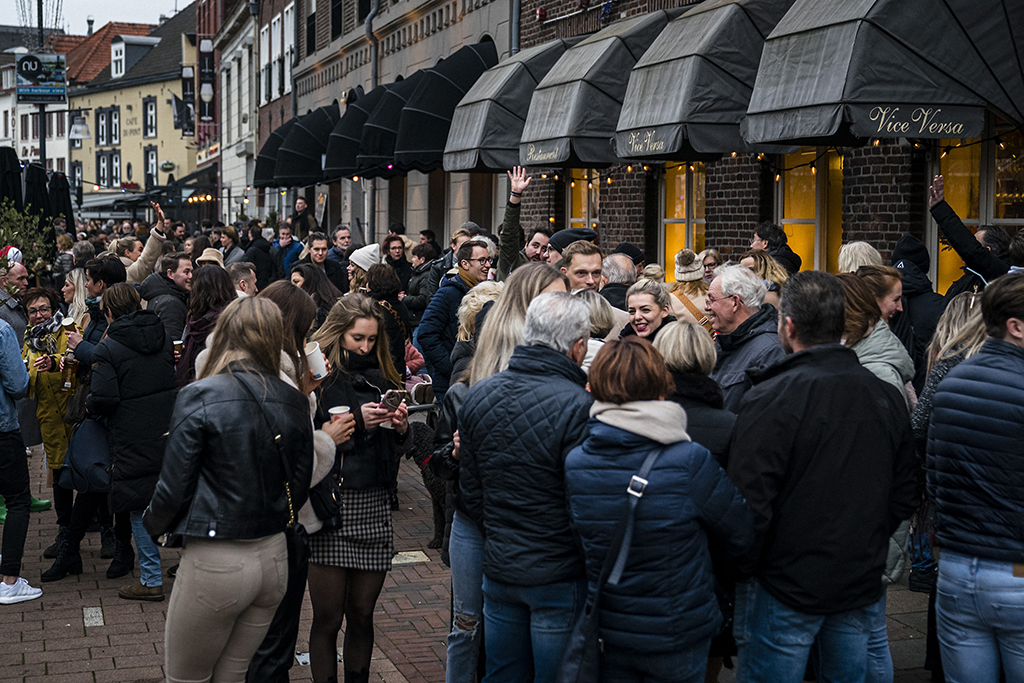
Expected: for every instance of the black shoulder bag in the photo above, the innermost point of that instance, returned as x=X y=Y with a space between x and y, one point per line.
x=582 y=660
x=295 y=533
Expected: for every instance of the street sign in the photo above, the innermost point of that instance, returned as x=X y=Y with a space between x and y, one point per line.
x=42 y=79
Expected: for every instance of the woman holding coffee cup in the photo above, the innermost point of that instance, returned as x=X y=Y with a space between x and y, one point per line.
x=349 y=563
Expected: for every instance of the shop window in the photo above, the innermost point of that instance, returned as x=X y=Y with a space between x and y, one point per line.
x=584 y=198
x=683 y=215
x=810 y=205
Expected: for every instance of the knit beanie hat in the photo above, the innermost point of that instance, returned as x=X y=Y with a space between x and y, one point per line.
x=688 y=266
x=364 y=257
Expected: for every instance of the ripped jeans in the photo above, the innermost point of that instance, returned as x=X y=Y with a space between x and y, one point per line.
x=466 y=547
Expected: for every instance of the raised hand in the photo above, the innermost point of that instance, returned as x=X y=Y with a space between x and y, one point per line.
x=518 y=180
x=937 y=192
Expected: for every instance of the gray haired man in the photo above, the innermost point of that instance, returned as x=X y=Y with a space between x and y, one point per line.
x=516 y=429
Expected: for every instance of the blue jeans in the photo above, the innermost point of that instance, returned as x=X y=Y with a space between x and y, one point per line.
x=465 y=549
x=528 y=628
x=979 y=608
x=775 y=641
x=625 y=666
x=879 y=654
x=149 y=553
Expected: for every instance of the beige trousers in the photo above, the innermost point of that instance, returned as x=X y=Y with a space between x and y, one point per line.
x=225 y=594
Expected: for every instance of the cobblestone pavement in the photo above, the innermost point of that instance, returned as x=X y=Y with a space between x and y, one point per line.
x=81 y=632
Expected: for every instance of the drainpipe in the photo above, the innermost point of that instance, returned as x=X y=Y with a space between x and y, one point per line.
x=514 y=25
x=370 y=196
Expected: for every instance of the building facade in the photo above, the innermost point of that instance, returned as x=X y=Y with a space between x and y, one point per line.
x=235 y=46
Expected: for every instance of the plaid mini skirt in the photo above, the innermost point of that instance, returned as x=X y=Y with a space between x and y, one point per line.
x=364 y=539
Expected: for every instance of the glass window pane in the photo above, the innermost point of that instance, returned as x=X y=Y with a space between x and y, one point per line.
x=675 y=192
x=834 y=211
x=593 y=197
x=698 y=194
x=960 y=169
x=577 y=195
x=1010 y=177
x=675 y=239
x=799 y=189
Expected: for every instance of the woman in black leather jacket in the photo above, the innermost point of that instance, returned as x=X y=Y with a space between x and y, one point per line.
x=238 y=461
x=349 y=563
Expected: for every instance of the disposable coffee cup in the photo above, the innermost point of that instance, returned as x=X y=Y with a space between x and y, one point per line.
x=69 y=323
x=337 y=412
x=317 y=366
x=179 y=347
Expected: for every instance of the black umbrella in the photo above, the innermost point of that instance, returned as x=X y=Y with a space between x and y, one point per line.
x=300 y=159
x=37 y=195
x=427 y=116
x=10 y=177
x=343 y=147
x=263 y=176
x=377 y=147
x=60 y=198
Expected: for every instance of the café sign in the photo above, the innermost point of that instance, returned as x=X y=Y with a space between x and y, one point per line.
x=917 y=121
x=552 y=152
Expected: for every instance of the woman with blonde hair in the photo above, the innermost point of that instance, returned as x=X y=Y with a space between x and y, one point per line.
x=236 y=470
x=769 y=270
x=648 y=304
x=138 y=261
x=853 y=255
x=350 y=560
x=75 y=294
x=690 y=290
x=504 y=328
x=602 y=320
x=473 y=305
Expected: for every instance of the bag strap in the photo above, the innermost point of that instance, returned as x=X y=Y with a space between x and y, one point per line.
x=701 y=318
x=618 y=550
x=280 y=450
x=394 y=314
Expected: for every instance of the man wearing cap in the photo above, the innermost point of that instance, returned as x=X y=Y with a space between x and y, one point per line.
x=512 y=253
x=563 y=238
x=440 y=323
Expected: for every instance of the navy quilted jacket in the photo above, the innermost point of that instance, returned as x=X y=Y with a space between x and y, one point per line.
x=665 y=600
x=438 y=329
x=516 y=429
x=976 y=455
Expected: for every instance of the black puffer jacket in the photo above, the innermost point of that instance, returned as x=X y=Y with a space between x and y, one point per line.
x=975 y=469
x=751 y=346
x=133 y=386
x=707 y=422
x=417 y=296
x=258 y=254
x=222 y=475
x=516 y=429
x=167 y=300
x=371 y=462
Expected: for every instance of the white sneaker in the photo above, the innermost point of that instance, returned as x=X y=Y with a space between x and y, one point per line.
x=19 y=591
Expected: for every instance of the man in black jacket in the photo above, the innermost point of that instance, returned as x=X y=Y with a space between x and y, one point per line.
x=516 y=428
x=258 y=254
x=922 y=306
x=318 y=246
x=166 y=292
x=824 y=454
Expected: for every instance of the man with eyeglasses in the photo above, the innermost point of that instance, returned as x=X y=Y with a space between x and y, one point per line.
x=440 y=323
x=747 y=330
x=512 y=253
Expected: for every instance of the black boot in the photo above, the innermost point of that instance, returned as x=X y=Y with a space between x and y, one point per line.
x=69 y=561
x=51 y=552
x=362 y=676
x=124 y=560
x=108 y=542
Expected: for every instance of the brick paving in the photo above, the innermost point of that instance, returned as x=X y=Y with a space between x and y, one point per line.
x=46 y=640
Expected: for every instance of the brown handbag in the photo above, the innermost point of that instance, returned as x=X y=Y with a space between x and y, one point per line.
x=701 y=319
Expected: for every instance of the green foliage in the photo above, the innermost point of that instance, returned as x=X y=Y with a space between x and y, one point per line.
x=25 y=230
x=273 y=221
x=241 y=217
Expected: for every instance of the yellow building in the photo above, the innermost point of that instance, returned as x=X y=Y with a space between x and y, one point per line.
x=129 y=108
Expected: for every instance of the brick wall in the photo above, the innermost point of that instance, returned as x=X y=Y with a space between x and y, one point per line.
x=884 y=194
x=622 y=209
x=737 y=196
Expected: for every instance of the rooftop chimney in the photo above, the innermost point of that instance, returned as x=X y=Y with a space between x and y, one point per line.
x=162 y=19
x=89 y=21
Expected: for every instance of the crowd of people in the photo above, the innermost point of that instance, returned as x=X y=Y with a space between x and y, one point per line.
x=726 y=470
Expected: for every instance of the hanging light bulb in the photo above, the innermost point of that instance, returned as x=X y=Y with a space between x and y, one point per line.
x=572 y=183
x=629 y=169
x=876 y=142
x=733 y=154
x=609 y=180
x=590 y=185
x=556 y=177
x=945 y=151
x=355 y=179
x=1002 y=145
x=814 y=170
x=551 y=219
x=544 y=176
x=778 y=177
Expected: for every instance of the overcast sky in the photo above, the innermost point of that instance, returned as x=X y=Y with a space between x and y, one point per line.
x=145 y=12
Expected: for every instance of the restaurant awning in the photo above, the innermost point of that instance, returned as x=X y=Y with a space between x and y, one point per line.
x=488 y=123
x=343 y=146
x=377 y=146
x=427 y=117
x=300 y=158
x=690 y=90
x=839 y=73
x=575 y=108
x=266 y=160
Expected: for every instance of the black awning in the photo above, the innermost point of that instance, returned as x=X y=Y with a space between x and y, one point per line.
x=690 y=90
x=426 y=118
x=574 y=109
x=193 y=179
x=300 y=158
x=343 y=147
x=839 y=73
x=266 y=160
x=377 y=146
x=488 y=123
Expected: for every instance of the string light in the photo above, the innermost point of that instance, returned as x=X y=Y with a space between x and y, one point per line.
x=629 y=169
x=814 y=170
x=733 y=155
x=609 y=180
x=778 y=177
x=945 y=151
x=544 y=176
x=876 y=142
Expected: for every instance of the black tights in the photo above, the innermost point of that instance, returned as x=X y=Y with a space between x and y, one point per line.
x=338 y=593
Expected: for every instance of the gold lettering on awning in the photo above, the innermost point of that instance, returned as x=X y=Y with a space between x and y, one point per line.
x=891 y=120
x=645 y=142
